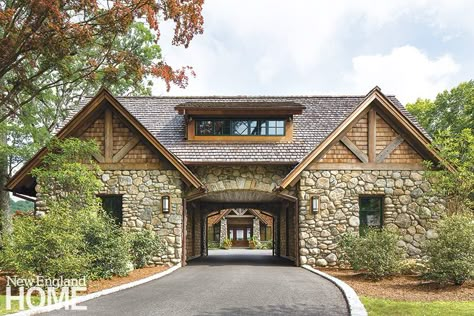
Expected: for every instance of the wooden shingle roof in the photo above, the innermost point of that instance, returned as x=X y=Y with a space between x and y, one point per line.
x=320 y=116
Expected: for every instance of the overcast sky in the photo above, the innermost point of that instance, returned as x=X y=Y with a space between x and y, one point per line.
x=409 y=48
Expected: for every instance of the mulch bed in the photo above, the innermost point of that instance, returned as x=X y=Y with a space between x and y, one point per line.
x=405 y=287
x=98 y=285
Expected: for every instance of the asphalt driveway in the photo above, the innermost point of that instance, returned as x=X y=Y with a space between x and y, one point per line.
x=228 y=282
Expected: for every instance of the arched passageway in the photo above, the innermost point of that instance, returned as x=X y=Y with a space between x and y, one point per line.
x=239 y=215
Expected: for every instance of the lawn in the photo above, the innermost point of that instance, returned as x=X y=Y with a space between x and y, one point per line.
x=3 y=306
x=378 y=306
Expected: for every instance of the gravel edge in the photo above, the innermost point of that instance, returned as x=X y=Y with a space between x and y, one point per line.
x=356 y=308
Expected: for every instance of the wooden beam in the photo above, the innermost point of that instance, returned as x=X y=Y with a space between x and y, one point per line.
x=109 y=136
x=355 y=150
x=389 y=149
x=129 y=166
x=364 y=166
x=372 y=135
x=132 y=142
x=98 y=157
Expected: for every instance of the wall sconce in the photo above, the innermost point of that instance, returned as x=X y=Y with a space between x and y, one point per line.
x=165 y=204
x=314 y=204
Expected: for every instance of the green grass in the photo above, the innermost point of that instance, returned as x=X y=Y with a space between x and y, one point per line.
x=3 y=307
x=378 y=306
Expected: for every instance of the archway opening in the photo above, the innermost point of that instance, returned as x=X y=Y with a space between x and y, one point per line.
x=241 y=224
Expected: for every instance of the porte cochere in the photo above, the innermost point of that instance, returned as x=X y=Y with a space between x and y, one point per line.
x=295 y=172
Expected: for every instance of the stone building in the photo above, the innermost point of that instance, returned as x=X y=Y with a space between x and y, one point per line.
x=318 y=166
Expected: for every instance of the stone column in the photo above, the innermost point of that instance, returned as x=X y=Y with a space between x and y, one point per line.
x=256 y=228
x=223 y=234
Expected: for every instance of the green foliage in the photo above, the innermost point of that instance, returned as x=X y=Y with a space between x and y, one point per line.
x=143 y=246
x=268 y=244
x=213 y=245
x=453 y=110
x=226 y=243
x=455 y=185
x=451 y=255
x=21 y=205
x=376 y=253
x=75 y=238
x=107 y=246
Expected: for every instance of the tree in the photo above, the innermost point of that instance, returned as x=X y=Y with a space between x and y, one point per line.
x=453 y=110
x=53 y=52
x=456 y=184
x=47 y=44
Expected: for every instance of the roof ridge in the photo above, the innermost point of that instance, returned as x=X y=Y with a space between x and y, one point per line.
x=243 y=96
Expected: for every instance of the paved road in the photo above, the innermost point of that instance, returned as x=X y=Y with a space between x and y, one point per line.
x=228 y=282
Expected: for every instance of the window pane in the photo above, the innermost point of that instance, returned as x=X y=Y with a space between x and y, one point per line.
x=254 y=127
x=112 y=205
x=240 y=128
x=221 y=127
x=370 y=212
x=280 y=123
x=263 y=127
x=249 y=234
x=204 y=127
x=272 y=123
x=231 y=234
x=239 y=234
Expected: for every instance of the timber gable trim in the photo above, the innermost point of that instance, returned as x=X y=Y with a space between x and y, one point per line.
x=389 y=112
x=74 y=125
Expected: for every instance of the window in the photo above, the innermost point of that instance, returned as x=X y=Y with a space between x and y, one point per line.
x=217 y=232
x=240 y=127
x=370 y=212
x=112 y=205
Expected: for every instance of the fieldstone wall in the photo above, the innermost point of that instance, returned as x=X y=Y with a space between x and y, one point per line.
x=255 y=178
x=256 y=228
x=408 y=208
x=223 y=234
x=141 y=192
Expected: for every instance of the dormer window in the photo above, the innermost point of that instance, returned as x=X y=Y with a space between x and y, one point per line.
x=240 y=127
x=225 y=120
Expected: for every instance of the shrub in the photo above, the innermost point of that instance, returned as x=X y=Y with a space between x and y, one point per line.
x=451 y=255
x=75 y=238
x=226 y=243
x=213 y=245
x=107 y=247
x=376 y=252
x=143 y=246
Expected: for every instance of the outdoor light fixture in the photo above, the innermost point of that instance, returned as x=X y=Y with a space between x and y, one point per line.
x=165 y=204
x=314 y=204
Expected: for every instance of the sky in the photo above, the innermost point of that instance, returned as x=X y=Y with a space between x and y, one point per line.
x=413 y=49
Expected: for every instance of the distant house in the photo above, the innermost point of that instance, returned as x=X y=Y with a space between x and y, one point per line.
x=317 y=166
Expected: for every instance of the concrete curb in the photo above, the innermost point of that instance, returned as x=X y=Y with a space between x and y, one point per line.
x=356 y=308
x=84 y=298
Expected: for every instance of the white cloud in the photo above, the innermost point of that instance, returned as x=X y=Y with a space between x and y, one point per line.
x=324 y=47
x=405 y=71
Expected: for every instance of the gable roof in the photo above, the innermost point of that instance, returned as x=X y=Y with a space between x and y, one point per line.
x=320 y=116
x=393 y=110
x=77 y=119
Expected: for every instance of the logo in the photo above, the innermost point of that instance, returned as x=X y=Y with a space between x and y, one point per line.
x=46 y=291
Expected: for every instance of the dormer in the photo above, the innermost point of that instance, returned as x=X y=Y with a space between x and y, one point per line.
x=239 y=121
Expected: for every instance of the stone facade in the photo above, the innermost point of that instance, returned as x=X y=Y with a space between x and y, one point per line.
x=254 y=178
x=141 y=192
x=256 y=228
x=408 y=208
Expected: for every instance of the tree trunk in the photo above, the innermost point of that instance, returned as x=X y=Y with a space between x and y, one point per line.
x=5 y=219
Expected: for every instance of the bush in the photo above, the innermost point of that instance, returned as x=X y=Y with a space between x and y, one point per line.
x=107 y=247
x=266 y=244
x=376 y=252
x=451 y=255
x=226 y=243
x=143 y=246
x=213 y=245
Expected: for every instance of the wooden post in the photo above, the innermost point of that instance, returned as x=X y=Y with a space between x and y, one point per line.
x=372 y=135
x=184 y=233
x=109 y=136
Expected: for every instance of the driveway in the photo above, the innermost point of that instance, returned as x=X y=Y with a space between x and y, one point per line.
x=227 y=282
